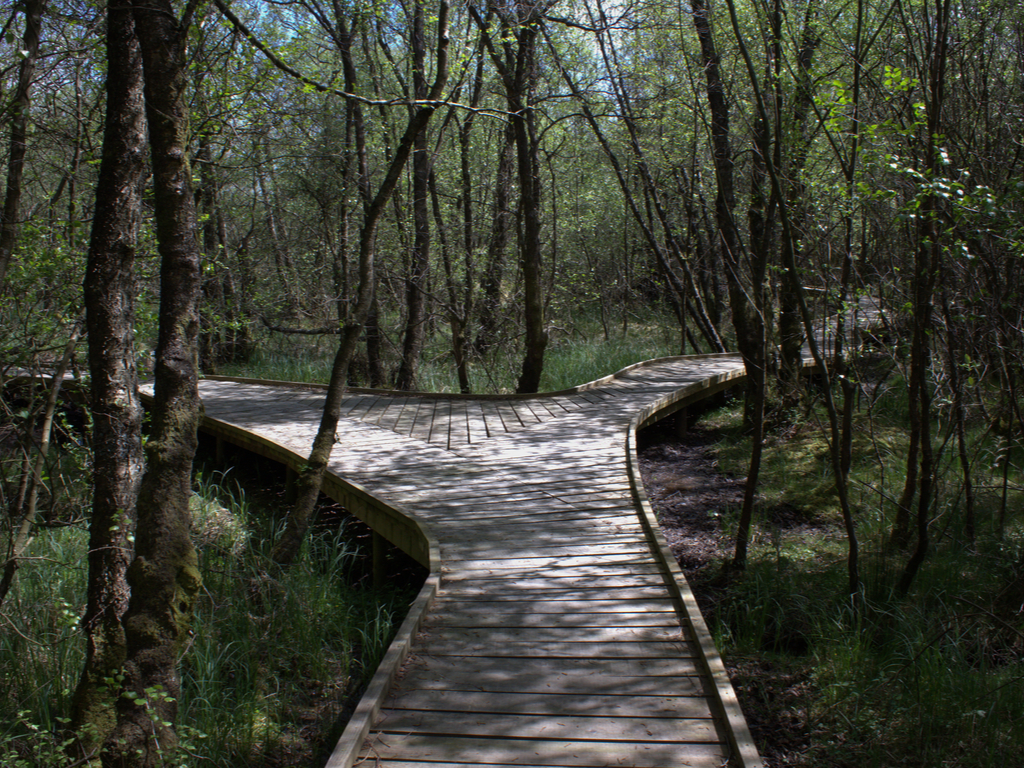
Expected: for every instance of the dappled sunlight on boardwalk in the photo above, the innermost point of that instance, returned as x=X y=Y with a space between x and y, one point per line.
x=556 y=634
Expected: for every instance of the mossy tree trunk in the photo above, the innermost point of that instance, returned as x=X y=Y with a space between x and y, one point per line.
x=164 y=577
x=110 y=289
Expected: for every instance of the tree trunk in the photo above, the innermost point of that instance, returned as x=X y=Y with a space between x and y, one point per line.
x=110 y=290
x=517 y=68
x=419 y=266
x=921 y=463
x=531 y=255
x=282 y=259
x=458 y=308
x=164 y=577
x=746 y=317
x=491 y=300
x=9 y=223
x=791 y=332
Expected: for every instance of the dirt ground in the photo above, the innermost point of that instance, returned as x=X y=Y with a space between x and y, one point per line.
x=688 y=491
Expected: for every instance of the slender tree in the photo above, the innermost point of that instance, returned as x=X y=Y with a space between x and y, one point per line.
x=22 y=102
x=419 y=266
x=311 y=479
x=922 y=463
x=515 y=58
x=746 y=290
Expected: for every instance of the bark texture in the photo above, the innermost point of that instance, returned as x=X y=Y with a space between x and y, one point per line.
x=110 y=289
x=164 y=577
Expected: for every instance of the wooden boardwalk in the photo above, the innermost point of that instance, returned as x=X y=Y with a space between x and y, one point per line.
x=555 y=628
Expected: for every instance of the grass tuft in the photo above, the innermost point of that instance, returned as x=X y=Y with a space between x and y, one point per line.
x=577 y=353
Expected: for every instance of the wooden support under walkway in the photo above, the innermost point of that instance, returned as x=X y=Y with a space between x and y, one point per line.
x=555 y=628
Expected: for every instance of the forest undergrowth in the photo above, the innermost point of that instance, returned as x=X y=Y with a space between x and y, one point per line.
x=931 y=679
x=276 y=660
x=581 y=349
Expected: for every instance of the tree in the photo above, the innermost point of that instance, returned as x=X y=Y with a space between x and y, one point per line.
x=745 y=281
x=419 y=266
x=516 y=62
x=927 y=266
x=163 y=576
x=33 y=11
x=110 y=290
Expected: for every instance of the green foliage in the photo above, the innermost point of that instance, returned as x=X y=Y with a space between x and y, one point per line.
x=269 y=643
x=927 y=680
x=41 y=643
x=584 y=355
x=578 y=353
x=263 y=647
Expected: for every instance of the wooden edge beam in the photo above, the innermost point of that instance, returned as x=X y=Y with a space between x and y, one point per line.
x=346 y=751
x=723 y=699
x=394 y=524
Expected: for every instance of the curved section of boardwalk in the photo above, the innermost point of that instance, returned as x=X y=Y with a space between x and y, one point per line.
x=555 y=630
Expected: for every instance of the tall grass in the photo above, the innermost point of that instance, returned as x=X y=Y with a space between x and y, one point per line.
x=578 y=352
x=273 y=643
x=933 y=678
x=40 y=644
x=271 y=654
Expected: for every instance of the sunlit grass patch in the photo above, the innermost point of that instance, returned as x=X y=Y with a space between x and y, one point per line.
x=577 y=353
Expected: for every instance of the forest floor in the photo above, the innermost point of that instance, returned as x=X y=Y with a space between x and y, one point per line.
x=688 y=493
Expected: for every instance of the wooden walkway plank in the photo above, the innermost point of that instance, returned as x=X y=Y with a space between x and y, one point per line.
x=458 y=425
x=551 y=704
x=449 y=675
x=362 y=406
x=527 y=416
x=556 y=752
x=476 y=423
x=424 y=421
x=404 y=423
x=530 y=726
x=580 y=675
x=498 y=636
x=392 y=413
x=492 y=418
x=440 y=426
